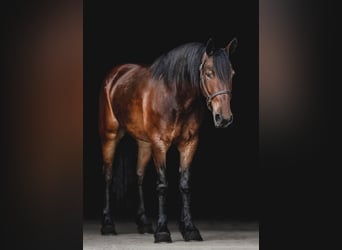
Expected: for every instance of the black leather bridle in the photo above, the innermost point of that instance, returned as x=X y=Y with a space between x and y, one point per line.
x=209 y=97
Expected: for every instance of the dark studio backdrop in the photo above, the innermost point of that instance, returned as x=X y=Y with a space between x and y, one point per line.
x=225 y=169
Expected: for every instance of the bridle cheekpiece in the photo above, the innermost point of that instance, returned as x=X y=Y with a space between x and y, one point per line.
x=209 y=97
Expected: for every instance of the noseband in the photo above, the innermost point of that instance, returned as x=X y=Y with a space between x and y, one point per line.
x=210 y=97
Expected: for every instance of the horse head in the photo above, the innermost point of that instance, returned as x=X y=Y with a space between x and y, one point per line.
x=216 y=73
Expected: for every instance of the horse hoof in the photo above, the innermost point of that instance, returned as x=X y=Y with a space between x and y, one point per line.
x=162 y=237
x=192 y=235
x=108 y=230
x=145 y=228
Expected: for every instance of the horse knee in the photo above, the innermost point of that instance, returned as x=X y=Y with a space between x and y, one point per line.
x=162 y=184
x=184 y=180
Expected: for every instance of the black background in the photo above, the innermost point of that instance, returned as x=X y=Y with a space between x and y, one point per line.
x=225 y=169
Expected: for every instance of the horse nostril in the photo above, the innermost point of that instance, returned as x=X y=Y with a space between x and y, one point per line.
x=226 y=122
x=218 y=118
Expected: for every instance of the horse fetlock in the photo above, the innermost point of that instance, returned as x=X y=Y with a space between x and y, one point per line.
x=108 y=226
x=107 y=218
x=186 y=224
x=106 y=212
x=162 y=226
x=143 y=224
x=141 y=211
x=141 y=218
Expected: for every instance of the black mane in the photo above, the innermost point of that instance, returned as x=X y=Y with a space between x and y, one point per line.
x=181 y=65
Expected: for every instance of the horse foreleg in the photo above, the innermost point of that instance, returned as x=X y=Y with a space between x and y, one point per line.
x=187 y=150
x=162 y=233
x=144 y=155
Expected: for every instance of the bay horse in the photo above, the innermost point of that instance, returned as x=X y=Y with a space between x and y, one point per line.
x=159 y=106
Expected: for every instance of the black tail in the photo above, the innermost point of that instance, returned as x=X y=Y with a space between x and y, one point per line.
x=124 y=168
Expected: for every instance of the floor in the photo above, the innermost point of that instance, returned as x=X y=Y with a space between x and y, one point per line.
x=216 y=235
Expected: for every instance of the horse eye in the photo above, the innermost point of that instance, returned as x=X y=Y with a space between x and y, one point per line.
x=209 y=74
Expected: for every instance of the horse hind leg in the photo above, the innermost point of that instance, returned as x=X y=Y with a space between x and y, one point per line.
x=110 y=134
x=109 y=143
x=144 y=156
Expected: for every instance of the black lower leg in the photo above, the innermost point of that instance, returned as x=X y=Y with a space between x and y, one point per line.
x=141 y=208
x=107 y=220
x=162 y=233
x=144 y=225
x=188 y=230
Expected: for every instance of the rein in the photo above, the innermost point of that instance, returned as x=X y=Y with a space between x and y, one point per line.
x=209 y=97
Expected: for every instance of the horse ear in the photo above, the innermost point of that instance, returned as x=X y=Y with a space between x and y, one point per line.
x=210 y=47
x=230 y=48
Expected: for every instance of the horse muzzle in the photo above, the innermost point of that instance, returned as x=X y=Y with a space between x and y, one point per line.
x=221 y=122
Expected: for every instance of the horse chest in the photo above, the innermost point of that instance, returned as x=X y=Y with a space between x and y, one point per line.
x=183 y=128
